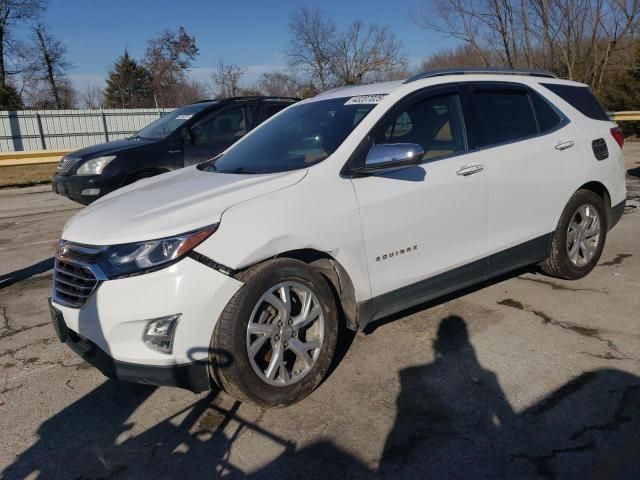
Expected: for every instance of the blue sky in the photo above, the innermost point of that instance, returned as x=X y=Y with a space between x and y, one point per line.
x=251 y=33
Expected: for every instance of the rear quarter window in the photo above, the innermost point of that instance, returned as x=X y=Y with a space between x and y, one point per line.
x=581 y=99
x=547 y=117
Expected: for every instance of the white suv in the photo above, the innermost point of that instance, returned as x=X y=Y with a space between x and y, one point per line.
x=341 y=209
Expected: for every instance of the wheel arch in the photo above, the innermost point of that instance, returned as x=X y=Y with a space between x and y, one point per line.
x=335 y=274
x=601 y=190
x=596 y=187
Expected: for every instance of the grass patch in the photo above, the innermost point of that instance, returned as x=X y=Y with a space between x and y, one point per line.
x=20 y=175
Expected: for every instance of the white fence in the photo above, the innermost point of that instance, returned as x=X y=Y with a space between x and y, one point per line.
x=60 y=129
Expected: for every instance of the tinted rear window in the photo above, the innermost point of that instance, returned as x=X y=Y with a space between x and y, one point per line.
x=581 y=99
x=548 y=118
x=505 y=115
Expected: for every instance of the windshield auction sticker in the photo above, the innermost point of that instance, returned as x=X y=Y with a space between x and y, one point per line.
x=366 y=99
x=183 y=117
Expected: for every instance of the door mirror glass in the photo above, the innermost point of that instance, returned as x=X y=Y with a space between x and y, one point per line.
x=388 y=156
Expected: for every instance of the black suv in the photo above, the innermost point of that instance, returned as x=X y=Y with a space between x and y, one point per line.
x=186 y=136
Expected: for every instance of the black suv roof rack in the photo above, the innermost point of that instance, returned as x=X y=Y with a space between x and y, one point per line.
x=247 y=97
x=486 y=70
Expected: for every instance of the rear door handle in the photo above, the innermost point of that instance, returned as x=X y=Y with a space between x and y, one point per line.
x=564 y=145
x=469 y=170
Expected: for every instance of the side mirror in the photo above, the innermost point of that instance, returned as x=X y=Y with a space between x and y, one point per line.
x=188 y=136
x=391 y=156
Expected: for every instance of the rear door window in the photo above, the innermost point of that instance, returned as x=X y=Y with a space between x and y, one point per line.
x=504 y=115
x=581 y=99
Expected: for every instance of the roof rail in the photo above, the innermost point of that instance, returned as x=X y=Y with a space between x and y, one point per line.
x=247 y=97
x=479 y=70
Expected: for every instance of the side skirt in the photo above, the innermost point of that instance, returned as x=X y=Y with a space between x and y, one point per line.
x=528 y=253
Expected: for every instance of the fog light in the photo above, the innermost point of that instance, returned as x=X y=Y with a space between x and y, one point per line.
x=159 y=333
x=90 y=192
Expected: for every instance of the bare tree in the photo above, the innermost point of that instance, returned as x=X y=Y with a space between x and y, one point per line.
x=40 y=95
x=464 y=55
x=13 y=13
x=309 y=52
x=51 y=63
x=575 y=38
x=168 y=58
x=226 y=79
x=364 y=53
x=278 y=84
x=91 y=96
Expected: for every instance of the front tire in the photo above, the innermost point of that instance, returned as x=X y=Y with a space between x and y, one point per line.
x=275 y=339
x=579 y=238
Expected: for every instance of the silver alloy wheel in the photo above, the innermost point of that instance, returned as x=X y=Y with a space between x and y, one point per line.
x=583 y=235
x=285 y=334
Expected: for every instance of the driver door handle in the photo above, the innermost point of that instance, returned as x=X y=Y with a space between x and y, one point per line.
x=565 y=145
x=469 y=170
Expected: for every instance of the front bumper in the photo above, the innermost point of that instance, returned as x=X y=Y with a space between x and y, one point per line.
x=107 y=331
x=192 y=376
x=72 y=186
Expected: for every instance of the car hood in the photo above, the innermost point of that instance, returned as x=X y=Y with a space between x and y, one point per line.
x=169 y=204
x=110 y=147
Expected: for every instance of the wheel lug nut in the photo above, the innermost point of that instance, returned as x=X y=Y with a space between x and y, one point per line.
x=295 y=334
x=279 y=324
x=290 y=322
x=286 y=345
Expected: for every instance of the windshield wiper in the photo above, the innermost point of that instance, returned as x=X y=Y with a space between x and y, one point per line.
x=237 y=170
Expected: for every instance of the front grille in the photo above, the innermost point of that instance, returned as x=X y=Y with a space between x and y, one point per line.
x=73 y=284
x=66 y=163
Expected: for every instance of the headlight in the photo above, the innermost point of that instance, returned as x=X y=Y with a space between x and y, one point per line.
x=135 y=258
x=94 y=166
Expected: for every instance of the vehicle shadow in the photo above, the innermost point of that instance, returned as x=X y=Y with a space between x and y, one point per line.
x=453 y=420
x=27 y=272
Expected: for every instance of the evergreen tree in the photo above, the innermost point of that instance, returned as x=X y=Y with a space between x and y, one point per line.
x=128 y=85
x=10 y=98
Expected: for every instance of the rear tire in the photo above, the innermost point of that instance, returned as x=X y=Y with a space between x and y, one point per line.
x=267 y=353
x=579 y=238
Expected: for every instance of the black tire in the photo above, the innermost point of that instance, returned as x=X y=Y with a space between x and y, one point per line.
x=230 y=365
x=558 y=264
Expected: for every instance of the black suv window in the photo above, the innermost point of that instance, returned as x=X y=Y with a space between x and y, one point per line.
x=268 y=110
x=547 y=117
x=504 y=115
x=581 y=99
x=435 y=123
x=223 y=126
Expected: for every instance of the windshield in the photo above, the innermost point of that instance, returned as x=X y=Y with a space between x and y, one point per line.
x=299 y=137
x=167 y=124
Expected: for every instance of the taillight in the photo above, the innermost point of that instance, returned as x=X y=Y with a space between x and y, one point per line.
x=618 y=135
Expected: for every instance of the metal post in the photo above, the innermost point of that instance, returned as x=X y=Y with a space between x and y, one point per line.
x=104 y=125
x=43 y=144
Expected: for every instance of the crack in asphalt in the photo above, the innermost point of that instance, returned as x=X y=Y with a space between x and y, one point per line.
x=547 y=319
x=9 y=389
x=558 y=286
x=618 y=417
x=610 y=356
x=9 y=331
x=541 y=462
